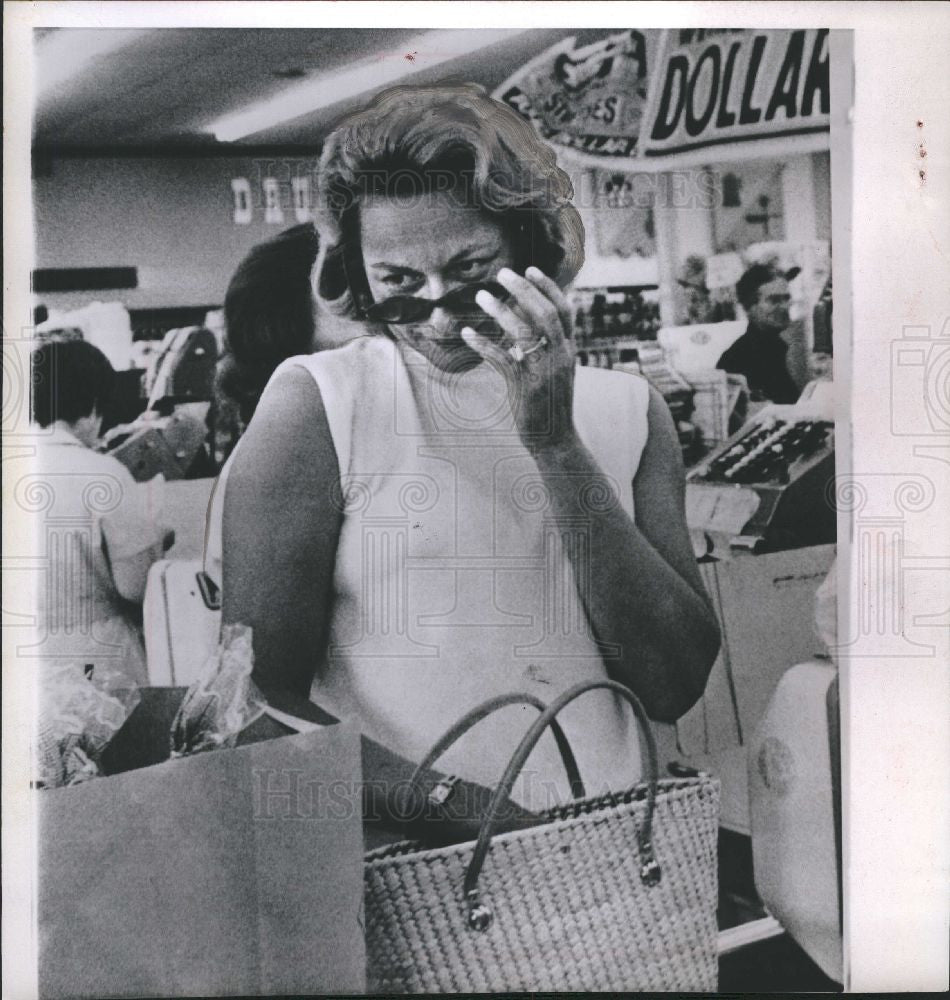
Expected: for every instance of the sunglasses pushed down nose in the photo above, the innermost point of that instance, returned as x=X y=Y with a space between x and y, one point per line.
x=410 y=309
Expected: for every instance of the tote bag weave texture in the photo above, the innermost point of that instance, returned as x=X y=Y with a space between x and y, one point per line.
x=590 y=899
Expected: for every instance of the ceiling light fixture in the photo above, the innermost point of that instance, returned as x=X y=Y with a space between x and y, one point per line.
x=378 y=70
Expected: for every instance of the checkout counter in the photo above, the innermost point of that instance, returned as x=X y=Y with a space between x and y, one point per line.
x=761 y=513
x=769 y=487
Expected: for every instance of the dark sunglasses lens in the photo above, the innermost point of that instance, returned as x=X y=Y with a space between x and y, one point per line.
x=409 y=309
x=463 y=299
x=399 y=309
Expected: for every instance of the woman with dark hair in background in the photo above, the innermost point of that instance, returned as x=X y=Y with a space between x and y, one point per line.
x=269 y=317
x=268 y=314
x=446 y=509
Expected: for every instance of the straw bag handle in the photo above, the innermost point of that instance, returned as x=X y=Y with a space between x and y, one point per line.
x=479 y=915
x=475 y=715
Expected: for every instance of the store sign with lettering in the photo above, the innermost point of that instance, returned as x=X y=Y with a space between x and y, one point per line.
x=275 y=194
x=721 y=86
x=589 y=99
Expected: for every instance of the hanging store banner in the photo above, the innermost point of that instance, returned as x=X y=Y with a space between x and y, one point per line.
x=650 y=94
x=720 y=86
x=588 y=99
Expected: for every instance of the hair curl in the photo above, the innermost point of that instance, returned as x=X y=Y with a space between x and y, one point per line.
x=411 y=141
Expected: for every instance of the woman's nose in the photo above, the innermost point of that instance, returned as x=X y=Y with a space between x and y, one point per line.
x=440 y=320
x=435 y=288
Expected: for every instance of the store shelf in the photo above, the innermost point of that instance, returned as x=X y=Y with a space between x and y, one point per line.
x=734 y=938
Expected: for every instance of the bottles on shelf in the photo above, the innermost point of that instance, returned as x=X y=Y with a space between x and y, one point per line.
x=608 y=314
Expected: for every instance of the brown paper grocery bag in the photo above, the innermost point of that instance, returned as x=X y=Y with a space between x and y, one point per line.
x=232 y=872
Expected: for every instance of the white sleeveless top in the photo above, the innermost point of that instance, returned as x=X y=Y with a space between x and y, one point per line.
x=452 y=583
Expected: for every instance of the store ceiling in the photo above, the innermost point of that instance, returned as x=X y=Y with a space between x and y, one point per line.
x=115 y=89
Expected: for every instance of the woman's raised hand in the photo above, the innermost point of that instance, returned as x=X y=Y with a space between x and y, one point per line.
x=535 y=354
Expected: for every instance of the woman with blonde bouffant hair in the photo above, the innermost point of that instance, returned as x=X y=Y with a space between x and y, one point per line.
x=446 y=508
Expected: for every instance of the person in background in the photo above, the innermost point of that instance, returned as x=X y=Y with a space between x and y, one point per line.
x=268 y=314
x=447 y=508
x=99 y=536
x=268 y=317
x=701 y=306
x=760 y=353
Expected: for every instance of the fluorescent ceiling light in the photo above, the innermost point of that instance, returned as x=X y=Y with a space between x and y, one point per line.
x=422 y=52
x=66 y=52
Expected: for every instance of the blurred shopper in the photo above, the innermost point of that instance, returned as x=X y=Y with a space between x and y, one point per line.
x=268 y=317
x=99 y=534
x=699 y=303
x=760 y=354
x=268 y=314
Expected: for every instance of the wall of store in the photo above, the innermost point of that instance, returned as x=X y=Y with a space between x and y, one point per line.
x=170 y=218
x=173 y=220
x=754 y=180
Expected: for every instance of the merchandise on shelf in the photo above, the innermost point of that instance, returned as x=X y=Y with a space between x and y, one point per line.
x=646 y=358
x=605 y=314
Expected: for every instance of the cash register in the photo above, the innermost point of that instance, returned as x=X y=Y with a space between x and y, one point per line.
x=774 y=476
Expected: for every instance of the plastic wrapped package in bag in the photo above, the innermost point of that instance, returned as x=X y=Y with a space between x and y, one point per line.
x=223 y=701
x=81 y=708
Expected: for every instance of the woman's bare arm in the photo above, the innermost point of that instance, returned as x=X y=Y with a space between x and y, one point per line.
x=638 y=580
x=281 y=528
x=659 y=495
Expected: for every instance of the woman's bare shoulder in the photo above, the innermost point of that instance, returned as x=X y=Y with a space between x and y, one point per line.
x=288 y=434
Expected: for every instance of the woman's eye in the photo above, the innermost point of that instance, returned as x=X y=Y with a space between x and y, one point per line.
x=467 y=268
x=397 y=281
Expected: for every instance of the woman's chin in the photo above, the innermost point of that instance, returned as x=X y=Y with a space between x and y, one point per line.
x=455 y=356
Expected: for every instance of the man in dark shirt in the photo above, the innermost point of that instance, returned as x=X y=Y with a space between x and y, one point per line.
x=759 y=354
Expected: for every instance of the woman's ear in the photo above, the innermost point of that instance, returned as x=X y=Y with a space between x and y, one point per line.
x=339 y=283
x=330 y=275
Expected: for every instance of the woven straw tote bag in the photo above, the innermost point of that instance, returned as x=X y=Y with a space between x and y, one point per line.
x=612 y=893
